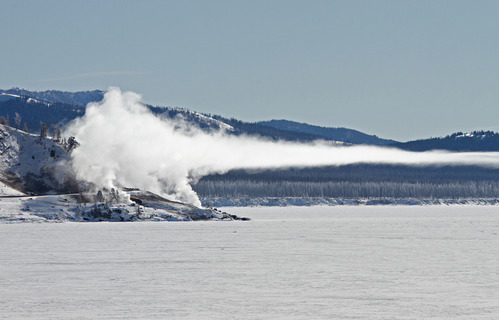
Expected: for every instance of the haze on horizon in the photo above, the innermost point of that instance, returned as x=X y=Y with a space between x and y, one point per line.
x=398 y=69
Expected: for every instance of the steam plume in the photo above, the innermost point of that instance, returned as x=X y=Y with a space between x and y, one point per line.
x=123 y=144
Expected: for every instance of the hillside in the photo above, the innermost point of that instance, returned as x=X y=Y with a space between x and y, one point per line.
x=31 y=164
x=37 y=184
x=268 y=132
x=472 y=141
x=328 y=133
x=57 y=108
x=56 y=114
x=79 y=99
x=33 y=112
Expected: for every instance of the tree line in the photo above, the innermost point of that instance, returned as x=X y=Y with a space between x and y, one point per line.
x=347 y=189
x=356 y=181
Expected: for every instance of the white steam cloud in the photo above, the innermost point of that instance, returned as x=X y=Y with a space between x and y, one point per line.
x=123 y=144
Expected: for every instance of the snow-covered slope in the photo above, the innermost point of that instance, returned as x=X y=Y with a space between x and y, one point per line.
x=7 y=96
x=37 y=185
x=80 y=98
x=29 y=163
x=6 y=190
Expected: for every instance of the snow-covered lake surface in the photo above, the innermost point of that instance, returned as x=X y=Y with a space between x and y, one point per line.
x=382 y=262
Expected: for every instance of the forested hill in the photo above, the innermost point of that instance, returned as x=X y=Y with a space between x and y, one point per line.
x=56 y=108
x=78 y=99
x=329 y=133
x=31 y=112
x=270 y=132
x=28 y=114
x=473 y=141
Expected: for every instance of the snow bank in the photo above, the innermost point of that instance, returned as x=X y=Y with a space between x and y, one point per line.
x=310 y=201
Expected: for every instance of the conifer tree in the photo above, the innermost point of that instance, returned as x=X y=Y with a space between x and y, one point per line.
x=43 y=130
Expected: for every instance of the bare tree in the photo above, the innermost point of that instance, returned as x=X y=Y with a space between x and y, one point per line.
x=17 y=120
x=57 y=135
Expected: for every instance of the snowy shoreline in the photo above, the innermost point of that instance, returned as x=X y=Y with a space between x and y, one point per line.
x=316 y=201
x=63 y=208
x=142 y=206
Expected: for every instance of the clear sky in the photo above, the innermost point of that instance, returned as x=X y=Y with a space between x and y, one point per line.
x=398 y=69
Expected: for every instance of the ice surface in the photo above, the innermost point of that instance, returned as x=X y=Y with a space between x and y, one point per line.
x=390 y=262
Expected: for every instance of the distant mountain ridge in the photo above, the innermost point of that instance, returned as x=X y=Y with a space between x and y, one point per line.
x=269 y=132
x=329 y=133
x=79 y=98
x=60 y=107
x=33 y=112
x=459 y=141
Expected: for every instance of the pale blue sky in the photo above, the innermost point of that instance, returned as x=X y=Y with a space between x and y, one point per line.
x=397 y=69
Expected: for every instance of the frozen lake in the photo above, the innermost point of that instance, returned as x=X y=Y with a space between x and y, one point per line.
x=394 y=262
